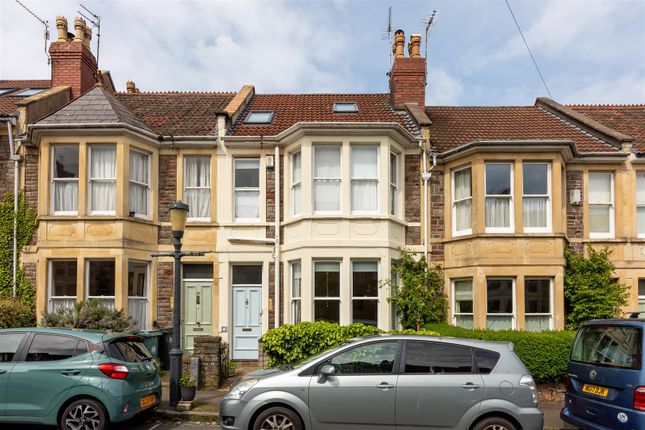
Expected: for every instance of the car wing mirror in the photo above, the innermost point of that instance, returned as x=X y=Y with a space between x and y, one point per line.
x=325 y=372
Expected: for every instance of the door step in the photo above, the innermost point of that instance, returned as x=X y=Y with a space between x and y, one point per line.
x=246 y=366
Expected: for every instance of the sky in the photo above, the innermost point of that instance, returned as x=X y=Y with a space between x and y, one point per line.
x=589 y=52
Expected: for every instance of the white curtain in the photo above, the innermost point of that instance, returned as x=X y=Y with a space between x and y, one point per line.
x=296 y=199
x=66 y=196
x=198 y=187
x=640 y=201
x=463 y=200
x=61 y=302
x=463 y=293
x=247 y=204
x=296 y=177
x=139 y=182
x=138 y=309
x=599 y=187
x=537 y=322
x=499 y=322
x=364 y=195
x=102 y=179
x=498 y=212
x=364 y=178
x=326 y=195
x=364 y=162
x=599 y=218
x=327 y=161
x=465 y=321
x=535 y=211
x=296 y=277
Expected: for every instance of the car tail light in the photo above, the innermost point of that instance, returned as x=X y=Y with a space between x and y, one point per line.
x=527 y=381
x=114 y=371
x=639 y=398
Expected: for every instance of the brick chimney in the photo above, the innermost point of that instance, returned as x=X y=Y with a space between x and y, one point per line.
x=73 y=63
x=408 y=74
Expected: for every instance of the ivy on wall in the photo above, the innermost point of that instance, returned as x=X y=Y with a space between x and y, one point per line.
x=26 y=225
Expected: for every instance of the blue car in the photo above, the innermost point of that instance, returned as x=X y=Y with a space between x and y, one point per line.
x=606 y=379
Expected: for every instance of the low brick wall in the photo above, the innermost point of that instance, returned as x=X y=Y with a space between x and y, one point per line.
x=209 y=351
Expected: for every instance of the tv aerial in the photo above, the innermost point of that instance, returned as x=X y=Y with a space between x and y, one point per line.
x=96 y=22
x=44 y=23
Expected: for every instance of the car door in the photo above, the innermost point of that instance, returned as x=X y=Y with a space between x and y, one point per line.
x=9 y=345
x=51 y=366
x=436 y=385
x=361 y=394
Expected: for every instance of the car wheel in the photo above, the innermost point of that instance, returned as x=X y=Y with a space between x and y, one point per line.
x=84 y=414
x=277 y=419
x=494 y=423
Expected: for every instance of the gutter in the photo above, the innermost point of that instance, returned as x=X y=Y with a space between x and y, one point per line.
x=426 y=175
x=276 y=235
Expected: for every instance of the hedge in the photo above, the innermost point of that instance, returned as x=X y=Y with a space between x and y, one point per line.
x=290 y=344
x=545 y=354
x=13 y=313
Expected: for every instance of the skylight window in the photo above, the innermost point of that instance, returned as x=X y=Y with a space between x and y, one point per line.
x=4 y=91
x=260 y=117
x=29 y=92
x=345 y=107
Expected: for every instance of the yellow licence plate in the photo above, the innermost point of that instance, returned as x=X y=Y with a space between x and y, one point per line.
x=594 y=389
x=148 y=400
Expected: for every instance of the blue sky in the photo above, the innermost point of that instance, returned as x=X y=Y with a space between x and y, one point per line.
x=589 y=51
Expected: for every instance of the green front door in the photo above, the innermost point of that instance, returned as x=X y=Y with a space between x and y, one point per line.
x=198 y=311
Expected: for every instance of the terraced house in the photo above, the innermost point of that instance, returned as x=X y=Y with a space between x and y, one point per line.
x=302 y=201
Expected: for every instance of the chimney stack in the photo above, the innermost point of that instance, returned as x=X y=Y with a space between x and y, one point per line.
x=408 y=74
x=73 y=63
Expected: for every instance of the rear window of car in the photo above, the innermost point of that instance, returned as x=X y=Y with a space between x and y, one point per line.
x=486 y=360
x=611 y=346
x=431 y=357
x=128 y=350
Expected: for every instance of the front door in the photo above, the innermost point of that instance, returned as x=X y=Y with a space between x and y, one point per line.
x=198 y=311
x=247 y=322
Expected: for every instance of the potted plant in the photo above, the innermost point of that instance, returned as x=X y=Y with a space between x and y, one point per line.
x=188 y=387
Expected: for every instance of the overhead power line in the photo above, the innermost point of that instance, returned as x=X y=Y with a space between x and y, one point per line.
x=528 y=49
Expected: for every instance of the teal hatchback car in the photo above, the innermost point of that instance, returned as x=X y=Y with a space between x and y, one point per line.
x=76 y=379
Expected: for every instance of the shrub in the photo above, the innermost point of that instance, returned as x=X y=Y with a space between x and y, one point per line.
x=93 y=315
x=13 y=313
x=545 y=354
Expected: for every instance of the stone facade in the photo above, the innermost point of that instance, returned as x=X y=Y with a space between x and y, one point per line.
x=165 y=275
x=437 y=224
x=167 y=194
x=412 y=199
x=209 y=351
x=575 y=226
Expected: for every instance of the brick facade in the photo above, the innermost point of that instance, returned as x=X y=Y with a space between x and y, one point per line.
x=437 y=225
x=165 y=275
x=270 y=198
x=73 y=65
x=167 y=193
x=31 y=183
x=408 y=81
x=6 y=167
x=574 y=212
x=412 y=198
x=272 y=294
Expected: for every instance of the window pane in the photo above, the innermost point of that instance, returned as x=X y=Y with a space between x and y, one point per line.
x=296 y=310
x=65 y=196
x=137 y=273
x=365 y=278
x=327 y=310
x=498 y=212
x=640 y=188
x=47 y=347
x=394 y=178
x=139 y=199
x=102 y=196
x=611 y=346
x=436 y=358
x=327 y=161
x=535 y=212
x=247 y=275
x=9 y=343
x=499 y=296
x=102 y=167
x=498 y=179
x=327 y=279
x=139 y=167
x=464 y=296
x=364 y=195
x=296 y=199
x=259 y=117
x=463 y=215
x=497 y=322
x=296 y=170
x=295 y=279
x=537 y=296
x=365 y=311
x=599 y=219
x=247 y=204
x=486 y=360
x=364 y=162
x=199 y=203
x=345 y=107
x=641 y=287
x=101 y=278
x=463 y=185
x=640 y=214
x=63 y=278
x=465 y=321
x=197 y=271
x=66 y=161
x=599 y=187
x=247 y=173
x=535 y=178
x=103 y=162
x=198 y=172
x=327 y=196
x=366 y=359
x=537 y=322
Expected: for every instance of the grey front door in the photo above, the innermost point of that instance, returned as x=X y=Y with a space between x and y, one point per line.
x=361 y=395
x=247 y=322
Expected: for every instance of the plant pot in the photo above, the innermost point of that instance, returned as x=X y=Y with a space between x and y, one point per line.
x=188 y=394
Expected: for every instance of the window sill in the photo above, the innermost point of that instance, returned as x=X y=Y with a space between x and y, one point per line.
x=110 y=218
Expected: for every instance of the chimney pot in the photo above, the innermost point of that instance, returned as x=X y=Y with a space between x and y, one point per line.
x=399 y=41
x=61 y=27
x=414 y=47
x=131 y=87
x=87 y=37
x=408 y=74
x=79 y=29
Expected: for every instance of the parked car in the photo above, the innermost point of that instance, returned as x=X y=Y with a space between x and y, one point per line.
x=76 y=379
x=606 y=379
x=388 y=382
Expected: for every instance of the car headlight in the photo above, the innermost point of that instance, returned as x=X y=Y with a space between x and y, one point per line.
x=238 y=391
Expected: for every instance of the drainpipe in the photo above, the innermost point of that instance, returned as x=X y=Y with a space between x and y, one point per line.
x=427 y=206
x=16 y=172
x=276 y=235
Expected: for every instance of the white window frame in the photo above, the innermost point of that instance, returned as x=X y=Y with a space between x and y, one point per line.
x=210 y=189
x=641 y=298
x=296 y=185
x=90 y=180
x=550 y=314
x=145 y=298
x=338 y=180
x=364 y=298
x=514 y=314
x=295 y=318
x=374 y=179
x=257 y=189
x=611 y=204
x=455 y=314
x=50 y=284
x=511 y=204
x=147 y=186
x=467 y=231
x=54 y=180
x=340 y=289
x=102 y=299
x=640 y=173
x=394 y=185
x=548 y=197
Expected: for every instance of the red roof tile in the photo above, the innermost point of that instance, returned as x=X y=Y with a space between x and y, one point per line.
x=627 y=119
x=8 y=104
x=177 y=114
x=291 y=109
x=456 y=126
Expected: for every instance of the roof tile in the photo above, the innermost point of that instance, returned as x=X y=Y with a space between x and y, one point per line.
x=627 y=119
x=8 y=104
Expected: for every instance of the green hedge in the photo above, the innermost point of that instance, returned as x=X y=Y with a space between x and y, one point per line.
x=545 y=354
x=290 y=344
x=16 y=314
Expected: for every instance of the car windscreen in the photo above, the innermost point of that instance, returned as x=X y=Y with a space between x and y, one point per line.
x=131 y=350
x=610 y=346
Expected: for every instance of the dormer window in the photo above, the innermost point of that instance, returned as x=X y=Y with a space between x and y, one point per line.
x=29 y=92
x=345 y=107
x=260 y=117
x=4 y=91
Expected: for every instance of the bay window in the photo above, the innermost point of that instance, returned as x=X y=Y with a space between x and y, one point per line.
x=296 y=292
x=365 y=292
x=327 y=178
x=499 y=198
x=102 y=181
x=296 y=181
x=536 y=180
x=601 y=205
x=65 y=179
x=537 y=304
x=62 y=284
x=462 y=196
x=640 y=203
x=364 y=171
x=462 y=305
x=101 y=281
x=500 y=298
x=197 y=187
x=394 y=183
x=139 y=183
x=247 y=188
x=138 y=292
x=327 y=291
